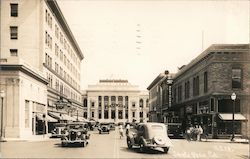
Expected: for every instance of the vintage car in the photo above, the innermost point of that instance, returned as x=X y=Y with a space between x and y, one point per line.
x=112 y=125
x=57 y=131
x=174 y=130
x=104 y=127
x=149 y=136
x=75 y=132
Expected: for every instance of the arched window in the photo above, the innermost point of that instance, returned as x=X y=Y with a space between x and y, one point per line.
x=141 y=103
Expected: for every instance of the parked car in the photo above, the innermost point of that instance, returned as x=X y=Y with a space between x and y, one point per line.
x=112 y=125
x=57 y=131
x=104 y=127
x=75 y=132
x=149 y=136
x=174 y=130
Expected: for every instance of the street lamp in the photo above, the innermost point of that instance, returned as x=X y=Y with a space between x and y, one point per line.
x=233 y=97
x=2 y=94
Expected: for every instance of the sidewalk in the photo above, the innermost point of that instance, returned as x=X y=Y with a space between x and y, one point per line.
x=243 y=141
x=30 y=139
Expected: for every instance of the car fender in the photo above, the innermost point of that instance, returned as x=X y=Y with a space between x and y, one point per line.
x=131 y=139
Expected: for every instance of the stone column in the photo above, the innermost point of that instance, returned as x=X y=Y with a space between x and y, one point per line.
x=102 y=107
x=116 y=109
x=123 y=108
x=129 y=111
x=109 y=107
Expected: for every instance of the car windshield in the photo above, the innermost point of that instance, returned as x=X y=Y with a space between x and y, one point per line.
x=104 y=124
x=75 y=126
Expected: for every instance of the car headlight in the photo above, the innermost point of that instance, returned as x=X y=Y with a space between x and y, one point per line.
x=79 y=133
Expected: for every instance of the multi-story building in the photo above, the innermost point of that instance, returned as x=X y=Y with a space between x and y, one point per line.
x=116 y=101
x=40 y=67
x=160 y=98
x=202 y=90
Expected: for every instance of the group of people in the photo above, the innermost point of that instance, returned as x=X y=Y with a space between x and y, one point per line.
x=121 y=130
x=195 y=133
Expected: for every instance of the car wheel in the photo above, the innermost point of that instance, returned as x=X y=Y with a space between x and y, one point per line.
x=99 y=132
x=166 y=149
x=141 y=147
x=63 y=144
x=84 y=144
x=129 y=144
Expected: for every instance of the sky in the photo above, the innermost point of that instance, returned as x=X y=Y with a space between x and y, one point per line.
x=139 y=39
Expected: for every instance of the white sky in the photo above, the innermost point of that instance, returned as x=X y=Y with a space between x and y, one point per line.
x=170 y=34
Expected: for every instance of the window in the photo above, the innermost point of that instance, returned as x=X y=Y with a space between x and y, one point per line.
x=14 y=10
x=85 y=115
x=141 y=114
x=187 y=89
x=92 y=104
x=13 y=32
x=106 y=114
x=179 y=93
x=236 y=78
x=133 y=104
x=205 y=82
x=120 y=114
x=13 y=52
x=100 y=115
x=212 y=104
x=93 y=114
x=141 y=103
x=196 y=85
x=133 y=114
x=126 y=114
x=113 y=114
x=26 y=113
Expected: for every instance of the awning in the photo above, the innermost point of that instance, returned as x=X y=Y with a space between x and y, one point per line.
x=230 y=116
x=55 y=115
x=39 y=116
x=67 y=117
x=51 y=119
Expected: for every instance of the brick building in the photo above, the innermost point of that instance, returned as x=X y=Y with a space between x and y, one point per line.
x=160 y=98
x=202 y=90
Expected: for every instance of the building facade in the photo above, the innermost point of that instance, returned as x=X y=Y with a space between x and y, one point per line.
x=160 y=97
x=40 y=68
x=202 y=90
x=116 y=101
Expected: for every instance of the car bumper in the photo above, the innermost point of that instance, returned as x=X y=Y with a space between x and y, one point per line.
x=74 y=141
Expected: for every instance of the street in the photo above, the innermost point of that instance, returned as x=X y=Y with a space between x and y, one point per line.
x=111 y=146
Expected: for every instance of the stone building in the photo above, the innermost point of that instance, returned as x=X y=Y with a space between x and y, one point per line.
x=202 y=90
x=115 y=101
x=40 y=68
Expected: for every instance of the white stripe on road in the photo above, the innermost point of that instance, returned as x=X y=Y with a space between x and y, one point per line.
x=116 y=144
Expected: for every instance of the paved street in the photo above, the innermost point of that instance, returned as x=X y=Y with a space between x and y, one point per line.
x=111 y=146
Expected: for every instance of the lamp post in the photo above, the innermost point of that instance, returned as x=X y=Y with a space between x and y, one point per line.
x=233 y=97
x=2 y=94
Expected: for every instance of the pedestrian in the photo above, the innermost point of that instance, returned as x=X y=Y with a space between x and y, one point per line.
x=188 y=134
x=121 y=131
x=127 y=129
x=200 y=132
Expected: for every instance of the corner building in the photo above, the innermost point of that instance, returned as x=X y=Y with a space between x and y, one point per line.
x=40 y=67
x=202 y=90
x=116 y=101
